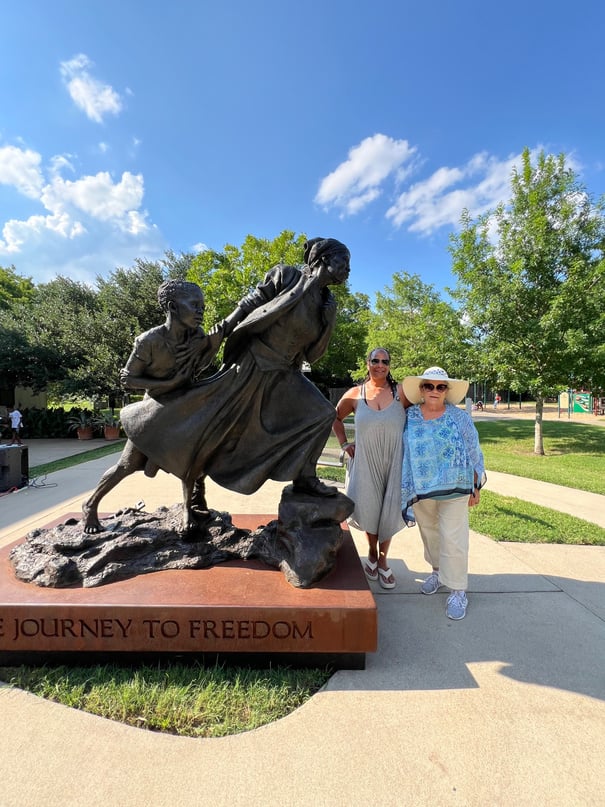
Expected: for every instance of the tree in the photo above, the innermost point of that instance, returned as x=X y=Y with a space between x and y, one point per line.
x=419 y=329
x=48 y=338
x=348 y=340
x=225 y=277
x=535 y=295
x=128 y=306
x=14 y=287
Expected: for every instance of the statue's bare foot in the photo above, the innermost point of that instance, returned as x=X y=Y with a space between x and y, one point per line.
x=92 y=525
x=194 y=518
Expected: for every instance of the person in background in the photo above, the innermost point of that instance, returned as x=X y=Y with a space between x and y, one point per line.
x=373 y=479
x=443 y=473
x=16 y=419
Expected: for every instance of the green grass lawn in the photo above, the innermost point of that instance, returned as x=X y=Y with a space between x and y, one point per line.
x=574 y=452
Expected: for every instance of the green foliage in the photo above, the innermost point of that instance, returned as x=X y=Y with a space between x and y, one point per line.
x=13 y=287
x=22 y=362
x=45 y=423
x=66 y=334
x=419 y=330
x=348 y=339
x=105 y=419
x=225 y=277
x=79 y=419
x=535 y=298
x=51 y=335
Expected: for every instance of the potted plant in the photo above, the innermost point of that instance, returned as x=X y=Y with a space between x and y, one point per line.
x=109 y=424
x=81 y=423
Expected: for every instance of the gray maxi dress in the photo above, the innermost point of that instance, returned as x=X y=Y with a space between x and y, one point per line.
x=374 y=475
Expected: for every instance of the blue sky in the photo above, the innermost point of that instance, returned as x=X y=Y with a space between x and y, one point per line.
x=132 y=127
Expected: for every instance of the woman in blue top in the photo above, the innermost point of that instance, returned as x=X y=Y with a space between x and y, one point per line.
x=443 y=472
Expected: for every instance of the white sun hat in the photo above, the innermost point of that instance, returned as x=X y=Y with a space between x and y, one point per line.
x=457 y=388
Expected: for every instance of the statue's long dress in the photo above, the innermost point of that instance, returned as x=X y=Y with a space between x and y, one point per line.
x=259 y=418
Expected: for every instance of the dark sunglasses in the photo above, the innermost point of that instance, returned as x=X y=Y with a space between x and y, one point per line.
x=438 y=387
x=380 y=361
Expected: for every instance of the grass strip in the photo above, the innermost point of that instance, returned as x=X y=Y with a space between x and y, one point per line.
x=504 y=518
x=187 y=700
x=112 y=447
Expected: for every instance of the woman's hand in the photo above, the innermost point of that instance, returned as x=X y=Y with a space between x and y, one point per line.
x=473 y=499
x=349 y=449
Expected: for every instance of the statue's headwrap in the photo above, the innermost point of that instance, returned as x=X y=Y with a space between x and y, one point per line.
x=319 y=247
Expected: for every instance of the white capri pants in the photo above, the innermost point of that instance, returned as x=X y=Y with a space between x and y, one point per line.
x=443 y=526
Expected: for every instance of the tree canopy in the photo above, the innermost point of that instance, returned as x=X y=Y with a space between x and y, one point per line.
x=13 y=287
x=225 y=277
x=531 y=283
x=419 y=329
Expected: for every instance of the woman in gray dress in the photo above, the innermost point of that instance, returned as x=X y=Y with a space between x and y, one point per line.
x=374 y=465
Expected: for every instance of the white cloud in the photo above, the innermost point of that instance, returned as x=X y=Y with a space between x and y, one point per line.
x=17 y=233
x=80 y=216
x=200 y=247
x=98 y=196
x=21 y=169
x=357 y=181
x=89 y=94
x=479 y=185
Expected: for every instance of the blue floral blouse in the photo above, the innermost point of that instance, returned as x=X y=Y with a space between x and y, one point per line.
x=440 y=457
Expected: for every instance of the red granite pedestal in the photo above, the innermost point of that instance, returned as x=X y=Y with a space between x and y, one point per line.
x=239 y=611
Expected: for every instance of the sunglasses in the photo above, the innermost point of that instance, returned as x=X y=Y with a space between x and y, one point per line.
x=380 y=361
x=438 y=387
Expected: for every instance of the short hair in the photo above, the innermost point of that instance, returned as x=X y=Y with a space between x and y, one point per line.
x=169 y=290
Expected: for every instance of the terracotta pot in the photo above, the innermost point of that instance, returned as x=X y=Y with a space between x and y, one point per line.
x=84 y=433
x=111 y=432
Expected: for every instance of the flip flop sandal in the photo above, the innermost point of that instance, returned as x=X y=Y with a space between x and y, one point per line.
x=371 y=569
x=384 y=575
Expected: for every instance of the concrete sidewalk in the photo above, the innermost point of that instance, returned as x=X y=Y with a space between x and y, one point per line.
x=503 y=708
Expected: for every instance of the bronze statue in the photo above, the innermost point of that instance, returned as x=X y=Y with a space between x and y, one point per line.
x=259 y=418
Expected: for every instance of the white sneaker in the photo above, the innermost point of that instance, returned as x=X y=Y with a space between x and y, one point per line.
x=431 y=584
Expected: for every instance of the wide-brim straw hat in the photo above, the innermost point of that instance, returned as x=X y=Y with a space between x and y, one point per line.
x=457 y=388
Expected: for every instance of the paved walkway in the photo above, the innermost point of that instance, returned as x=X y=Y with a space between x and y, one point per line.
x=506 y=707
